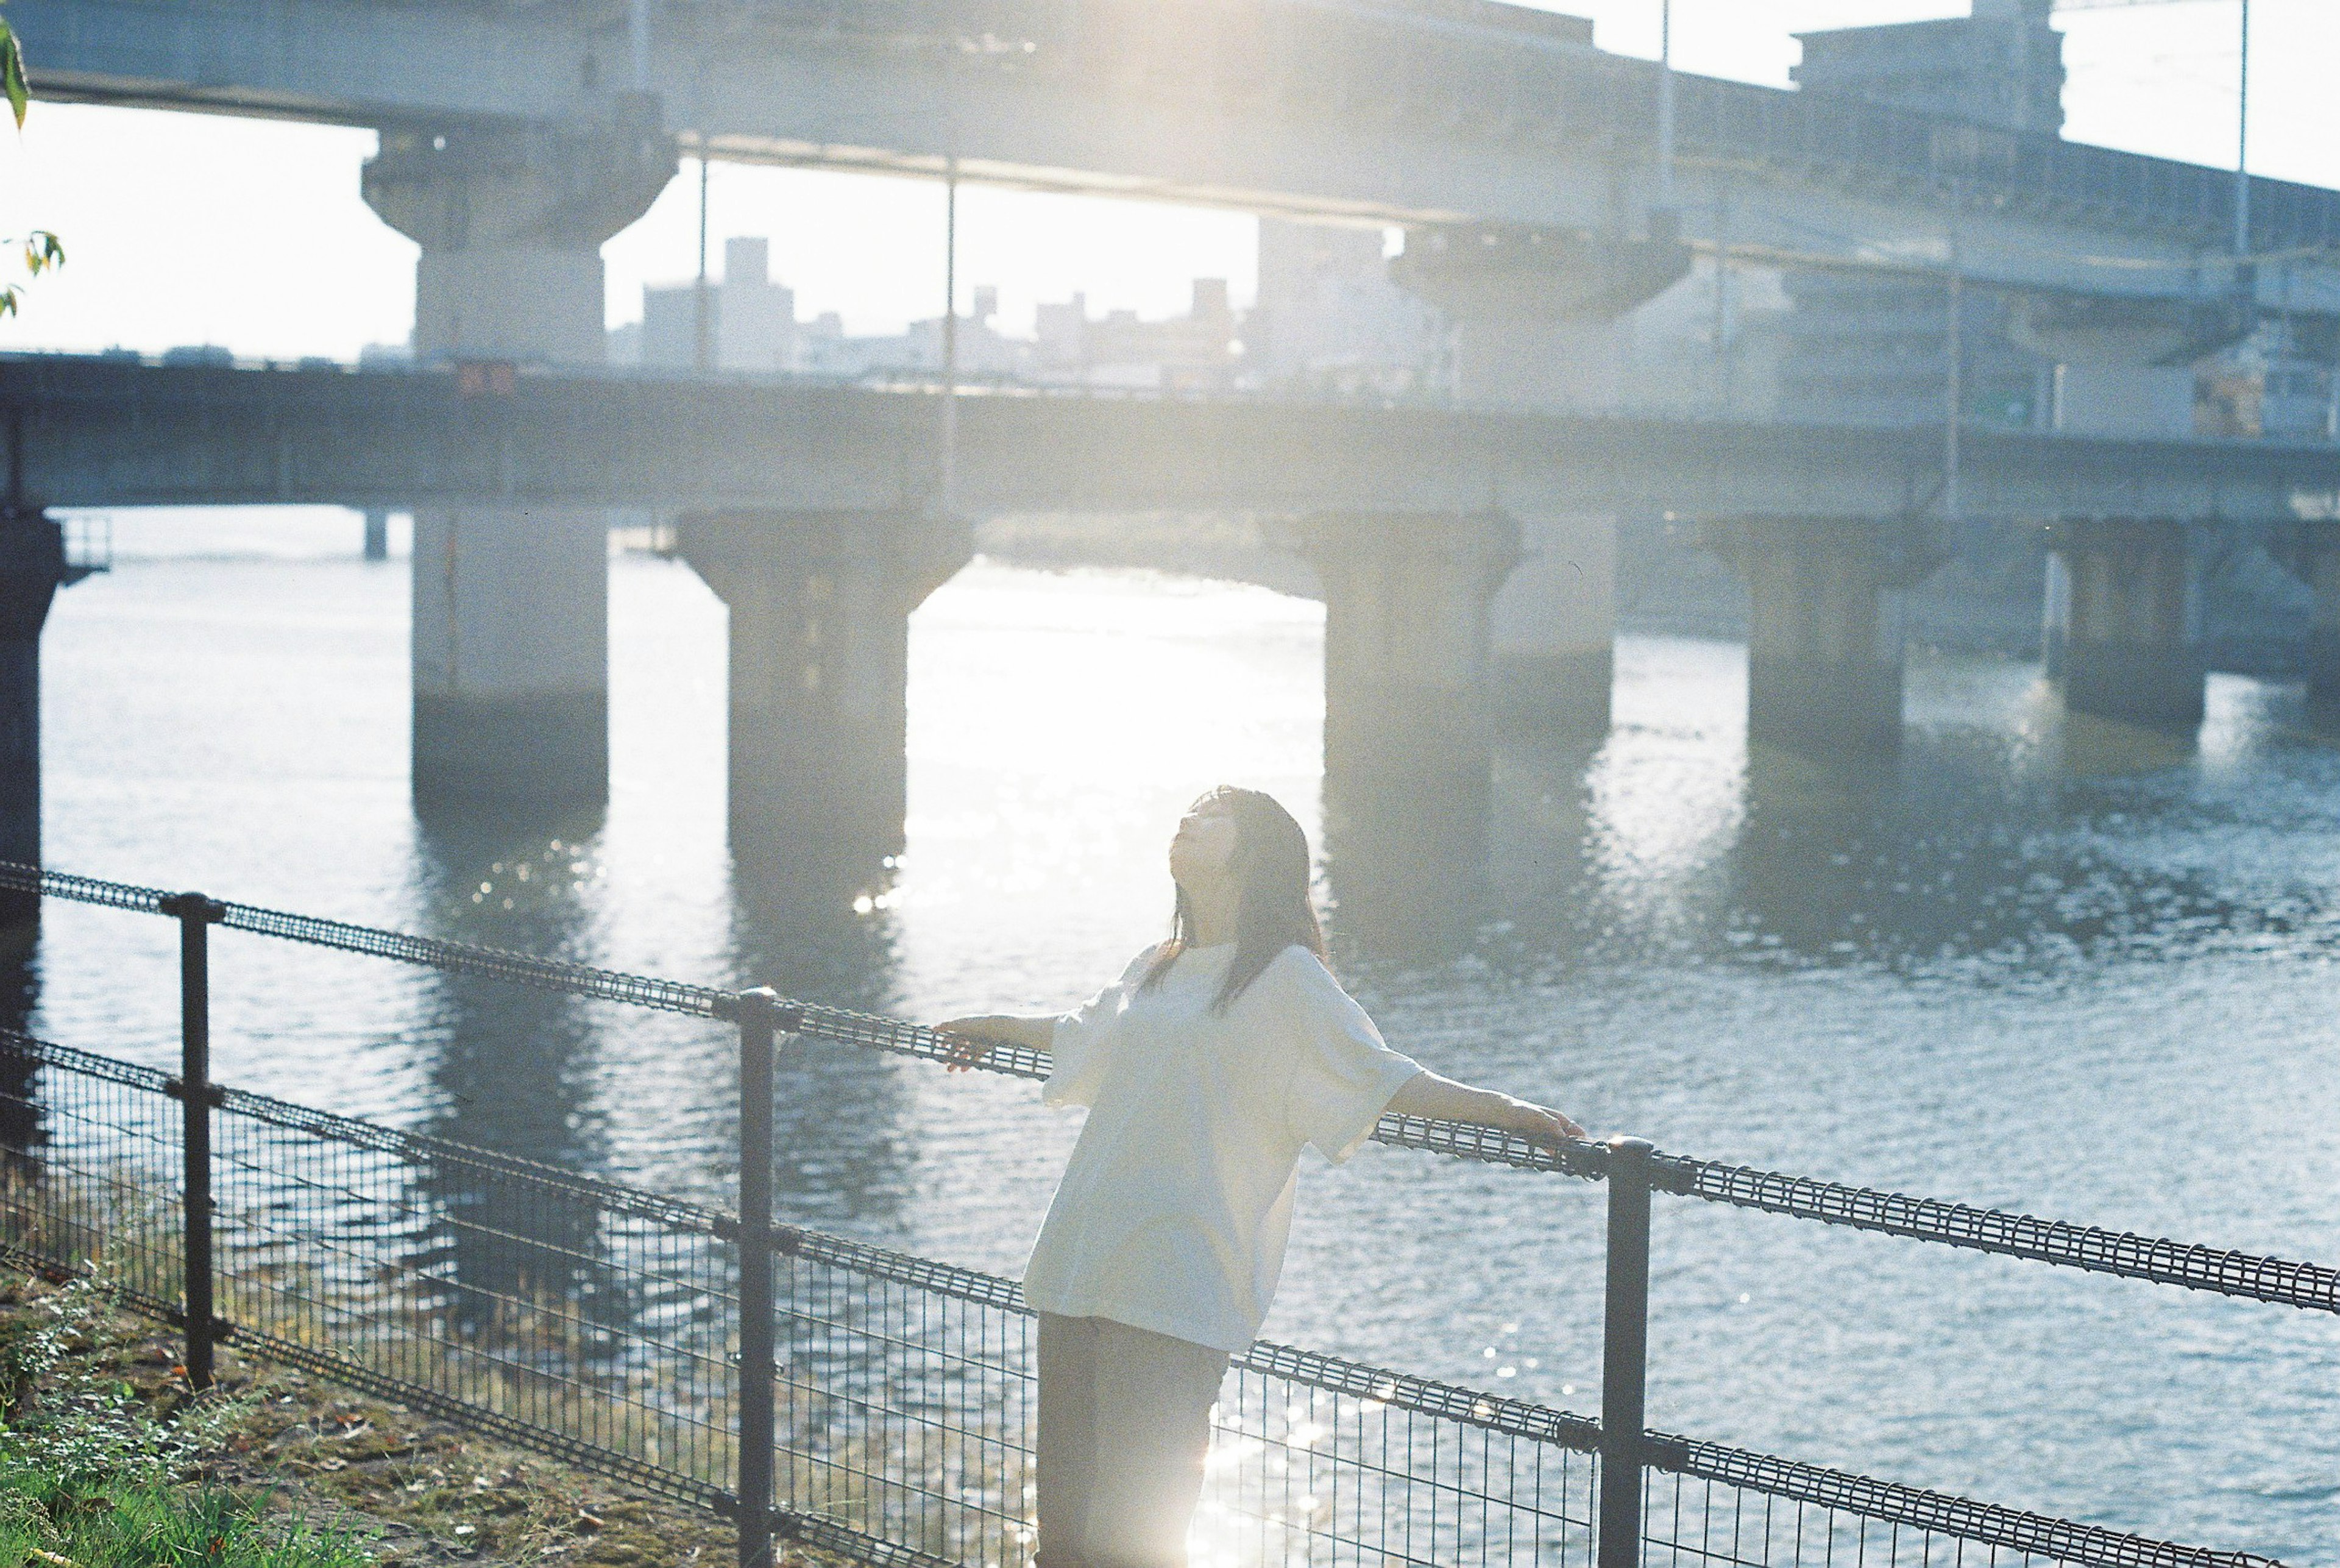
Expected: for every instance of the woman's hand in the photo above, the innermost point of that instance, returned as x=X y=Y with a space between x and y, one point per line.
x=1538 y=1123
x=972 y=1038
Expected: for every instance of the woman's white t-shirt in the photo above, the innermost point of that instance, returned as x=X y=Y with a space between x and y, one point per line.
x=1175 y=1205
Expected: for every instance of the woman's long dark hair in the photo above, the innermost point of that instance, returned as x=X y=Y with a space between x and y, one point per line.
x=1273 y=912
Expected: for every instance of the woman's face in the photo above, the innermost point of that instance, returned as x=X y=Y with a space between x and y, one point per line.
x=1203 y=847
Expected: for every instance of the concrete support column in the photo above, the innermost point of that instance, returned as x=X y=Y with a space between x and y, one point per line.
x=1825 y=628
x=510 y=651
x=1407 y=599
x=511 y=658
x=2129 y=644
x=377 y=536
x=2123 y=367
x=1538 y=321
x=1553 y=630
x=32 y=566
x=1537 y=315
x=2319 y=563
x=821 y=606
x=1408 y=716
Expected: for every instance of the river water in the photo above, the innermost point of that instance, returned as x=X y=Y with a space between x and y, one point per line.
x=2035 y=962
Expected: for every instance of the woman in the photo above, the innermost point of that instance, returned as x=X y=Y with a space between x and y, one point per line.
x=1205 y=1069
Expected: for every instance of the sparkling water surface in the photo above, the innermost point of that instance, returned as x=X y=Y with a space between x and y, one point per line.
x=2035 y=962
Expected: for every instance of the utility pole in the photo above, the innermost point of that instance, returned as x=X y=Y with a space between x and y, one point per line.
x=1953 y=382
x=1666 y=102
x=2243 y=144
x=948 y=488
x=637 y=33
x=702 y=337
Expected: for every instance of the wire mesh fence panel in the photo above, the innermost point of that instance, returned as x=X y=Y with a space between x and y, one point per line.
x=598 y=1322
x=1704 y=1502
x=1360 y=1474
x=1696 y=1524
x=906 y=1412
x=91 y=1166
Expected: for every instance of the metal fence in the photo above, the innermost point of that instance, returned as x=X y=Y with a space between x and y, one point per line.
x=877 y=1404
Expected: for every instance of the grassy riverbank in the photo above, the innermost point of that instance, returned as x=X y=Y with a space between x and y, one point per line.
x=108 y=1460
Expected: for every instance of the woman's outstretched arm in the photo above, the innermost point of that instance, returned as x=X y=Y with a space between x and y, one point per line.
x=1428 y=1094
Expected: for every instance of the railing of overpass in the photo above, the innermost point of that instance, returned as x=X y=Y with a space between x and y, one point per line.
x=1493 y=73
x=1874 y=145
x=879 y=1405
x=1501 y=74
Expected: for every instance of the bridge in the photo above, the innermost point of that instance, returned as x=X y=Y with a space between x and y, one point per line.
x=1423 y=113
x=1466 y=553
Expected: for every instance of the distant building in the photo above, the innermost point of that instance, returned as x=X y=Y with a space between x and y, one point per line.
x=1860 y=349
x=1329 y=319
x=1060 y=337
x=2002 y=66
x=756 y=318
x=1863 y=348
x=668 y=335
x=1202 y=351
x=750 y=319
x=199 y=354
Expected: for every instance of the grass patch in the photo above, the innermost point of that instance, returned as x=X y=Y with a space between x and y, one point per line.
x=108 y=1458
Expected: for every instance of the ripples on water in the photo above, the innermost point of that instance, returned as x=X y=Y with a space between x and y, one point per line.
x=2034 y=962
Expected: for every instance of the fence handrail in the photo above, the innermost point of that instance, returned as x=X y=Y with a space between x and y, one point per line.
x=2128 y=1254
x=2095 y=1249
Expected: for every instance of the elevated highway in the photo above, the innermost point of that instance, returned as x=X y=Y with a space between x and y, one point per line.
x=1434 y=114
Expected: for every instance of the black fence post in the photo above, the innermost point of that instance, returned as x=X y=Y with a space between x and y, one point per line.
x=1624 y=1353
x=759 y=1018
x=196 y=915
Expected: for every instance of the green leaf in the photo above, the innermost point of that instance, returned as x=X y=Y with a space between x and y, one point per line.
x=12 y=73
x=8 y=299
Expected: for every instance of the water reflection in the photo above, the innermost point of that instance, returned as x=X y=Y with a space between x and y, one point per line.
x=1405 y=864
x=2018 y=849
x=2085 y=746
x=1540 y=828
x=2013 y=839
x=510 y=1068
x=841 y=1151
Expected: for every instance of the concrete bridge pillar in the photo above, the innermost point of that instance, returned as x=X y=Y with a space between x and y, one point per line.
x=1554 y=627
x=511 y=650
x=1407 y=602
x=2123 y=367
x=1826 y=623
x=1537 y=319
x=2124 y=620
x=820 y=610
x=2312 y=551
x=1538 y=314
x=32 y=567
